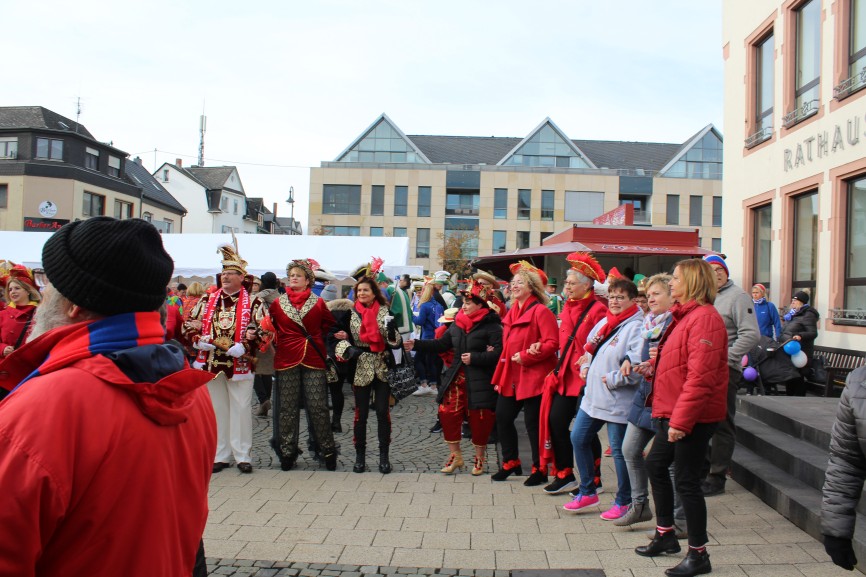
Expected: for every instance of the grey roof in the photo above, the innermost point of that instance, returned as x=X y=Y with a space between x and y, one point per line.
x=465 y=149
x=628 y=155
x=36 y=117
x=213 y=177
x=492 y=149
x=151 y=189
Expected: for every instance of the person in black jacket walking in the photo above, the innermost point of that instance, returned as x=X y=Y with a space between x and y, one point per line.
x=476 y=338
x=801 y=324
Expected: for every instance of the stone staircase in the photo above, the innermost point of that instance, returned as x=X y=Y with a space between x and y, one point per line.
x=781 y=456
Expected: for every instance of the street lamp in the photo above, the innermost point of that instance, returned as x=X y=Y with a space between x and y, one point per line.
x=291 y=202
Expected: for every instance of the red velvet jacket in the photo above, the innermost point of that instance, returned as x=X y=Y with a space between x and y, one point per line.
x=570 y=383
x=520 y=329
x=12 y=322
x=691 y=377
x=292 y=346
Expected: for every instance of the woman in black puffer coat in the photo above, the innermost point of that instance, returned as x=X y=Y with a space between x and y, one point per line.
x=801 y=324
x=476 y=339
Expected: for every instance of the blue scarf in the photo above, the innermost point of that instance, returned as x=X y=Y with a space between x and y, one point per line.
x=792 y=313
x=70 y=344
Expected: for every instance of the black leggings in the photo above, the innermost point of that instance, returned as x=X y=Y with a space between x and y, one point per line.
x=362 y=411
x=507 y=409
x=338 y=400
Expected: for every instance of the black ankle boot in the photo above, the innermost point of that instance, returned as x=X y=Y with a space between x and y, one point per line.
x=287 y=462
x=331 y=461
x=695 y=563
x=360 y=461
x=661 y=543
x=384 y=462
x=508 y=468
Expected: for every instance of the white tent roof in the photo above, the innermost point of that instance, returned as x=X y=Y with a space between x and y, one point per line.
x=196 y=254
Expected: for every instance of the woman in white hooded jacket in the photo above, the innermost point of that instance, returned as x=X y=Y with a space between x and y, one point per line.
x=608 y=395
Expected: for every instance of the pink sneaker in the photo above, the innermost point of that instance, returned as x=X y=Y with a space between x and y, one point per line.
x=581 y=502
x=615 y=512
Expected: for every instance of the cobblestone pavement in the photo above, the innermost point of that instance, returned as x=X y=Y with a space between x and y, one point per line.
x=310 y=522
x=413 y=448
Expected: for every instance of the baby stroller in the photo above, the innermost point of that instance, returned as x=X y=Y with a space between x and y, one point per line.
x=773 y=364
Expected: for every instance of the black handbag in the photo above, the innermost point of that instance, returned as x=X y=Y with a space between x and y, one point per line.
x=401 y=379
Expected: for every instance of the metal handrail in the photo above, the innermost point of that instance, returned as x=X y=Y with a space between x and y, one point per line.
x=856 y=317
x=757 y=138
x=850 y=85
x=807 y=109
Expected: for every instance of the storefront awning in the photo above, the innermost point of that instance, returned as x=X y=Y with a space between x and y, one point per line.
x=615 y=241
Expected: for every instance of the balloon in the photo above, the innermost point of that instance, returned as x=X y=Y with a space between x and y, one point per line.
x=792 y=347
x=745 y=361
x=800 y=359
x=750 y=374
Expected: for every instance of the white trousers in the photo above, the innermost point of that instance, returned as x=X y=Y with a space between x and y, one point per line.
x=232 y=403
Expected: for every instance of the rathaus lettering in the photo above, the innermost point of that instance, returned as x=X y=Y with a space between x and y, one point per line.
x=823 y=144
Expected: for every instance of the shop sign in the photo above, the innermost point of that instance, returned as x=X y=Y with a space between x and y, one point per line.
x=32 y=224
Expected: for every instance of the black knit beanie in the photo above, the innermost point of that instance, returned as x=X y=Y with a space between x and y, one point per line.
x=269 y=281
x=109 y=266
x=802 y=296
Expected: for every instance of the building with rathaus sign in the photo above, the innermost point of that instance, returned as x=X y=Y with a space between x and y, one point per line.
x=512 y=192
x=795 y=173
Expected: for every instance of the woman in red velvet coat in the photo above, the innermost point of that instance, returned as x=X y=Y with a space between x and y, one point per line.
x=16 y=319
x=520 y=374
x=301 y=320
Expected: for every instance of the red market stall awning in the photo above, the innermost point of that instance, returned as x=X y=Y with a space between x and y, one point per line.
x=647 y=250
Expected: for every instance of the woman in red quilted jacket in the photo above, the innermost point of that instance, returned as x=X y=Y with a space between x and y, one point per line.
x=688 y=401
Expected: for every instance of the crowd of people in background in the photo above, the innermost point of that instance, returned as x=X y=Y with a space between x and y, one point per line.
x=656 y=358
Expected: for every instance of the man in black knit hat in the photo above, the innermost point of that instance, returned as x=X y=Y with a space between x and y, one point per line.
x=108 y=434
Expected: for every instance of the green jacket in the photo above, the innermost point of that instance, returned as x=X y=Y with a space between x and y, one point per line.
x=401 y=309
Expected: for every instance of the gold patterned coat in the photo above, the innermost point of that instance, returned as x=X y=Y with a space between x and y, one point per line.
x=366 y=365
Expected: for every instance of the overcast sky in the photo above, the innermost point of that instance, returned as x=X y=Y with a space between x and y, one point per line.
x=293 y=83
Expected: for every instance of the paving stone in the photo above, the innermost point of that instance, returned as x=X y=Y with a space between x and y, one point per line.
x=265 y=564
x=265 y=572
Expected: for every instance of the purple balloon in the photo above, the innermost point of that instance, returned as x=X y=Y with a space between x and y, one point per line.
x=750 y=374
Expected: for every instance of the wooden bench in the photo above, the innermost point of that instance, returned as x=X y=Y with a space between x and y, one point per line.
x=838 y=363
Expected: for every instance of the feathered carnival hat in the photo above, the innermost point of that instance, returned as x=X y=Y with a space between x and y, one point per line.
x=477 y=292
x=614 y=273
x=481 y=275
x=18 y=272
x=524 y=265
x=369 y=270
x=231 y=259
x=585 y=264
x=308 y=265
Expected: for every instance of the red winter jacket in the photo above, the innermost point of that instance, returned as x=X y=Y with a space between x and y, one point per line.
x=691 y=377
x=570 y=383
x=104 y=473
x=520 y=329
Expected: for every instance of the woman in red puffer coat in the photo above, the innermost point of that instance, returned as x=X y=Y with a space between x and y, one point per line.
x=520 y=373
x=689 y=399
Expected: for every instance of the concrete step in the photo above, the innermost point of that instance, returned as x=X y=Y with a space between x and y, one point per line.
x=802 y=460
x=807 y=418
x=796 y=500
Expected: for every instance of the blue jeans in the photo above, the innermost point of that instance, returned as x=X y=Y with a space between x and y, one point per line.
x=585 y=428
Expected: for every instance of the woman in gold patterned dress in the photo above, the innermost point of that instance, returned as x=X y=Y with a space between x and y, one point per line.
x=302 y=320
x=365 y=343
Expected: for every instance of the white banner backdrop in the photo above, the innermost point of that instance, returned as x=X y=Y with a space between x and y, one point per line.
x=197 y=255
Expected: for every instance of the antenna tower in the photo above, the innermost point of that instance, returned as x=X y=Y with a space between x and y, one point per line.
x=77 y=113
x=202 y=127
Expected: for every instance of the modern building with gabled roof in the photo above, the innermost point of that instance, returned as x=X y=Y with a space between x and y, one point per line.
x=513 y=192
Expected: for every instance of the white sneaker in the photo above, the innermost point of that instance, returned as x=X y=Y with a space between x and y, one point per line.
x=422 y=390
x=432 y=391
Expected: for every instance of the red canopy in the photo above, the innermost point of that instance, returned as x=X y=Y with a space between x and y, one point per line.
x=623 y=246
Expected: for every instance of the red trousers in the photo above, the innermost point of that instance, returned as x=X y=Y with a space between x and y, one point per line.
x=453 y=411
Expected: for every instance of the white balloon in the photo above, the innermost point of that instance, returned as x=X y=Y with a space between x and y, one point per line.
x=800 y=360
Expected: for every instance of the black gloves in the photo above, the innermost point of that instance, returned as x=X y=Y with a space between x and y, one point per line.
x=840 y=551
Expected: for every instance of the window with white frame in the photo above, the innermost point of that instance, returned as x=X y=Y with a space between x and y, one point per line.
x=122 y=210
x=9 y=147
x=113 y=166
x=91 y=158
